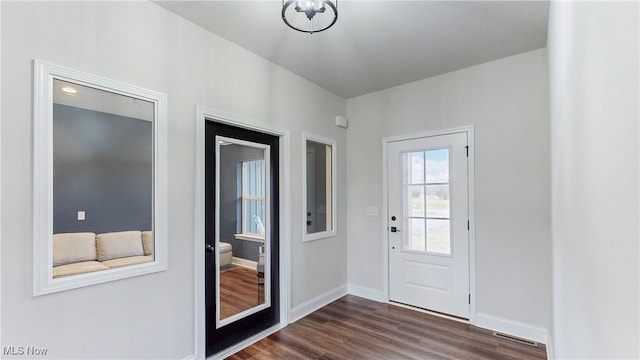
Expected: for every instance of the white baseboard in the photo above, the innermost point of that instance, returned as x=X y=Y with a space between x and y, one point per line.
x=244 y=262
x=550 y=353
x=239 y=346
x=367 y=293
x=316 y=303
x=486 y=321
x=510 y=327
x=191 y=357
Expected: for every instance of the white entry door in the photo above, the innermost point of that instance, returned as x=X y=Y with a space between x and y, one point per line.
x=428 y=199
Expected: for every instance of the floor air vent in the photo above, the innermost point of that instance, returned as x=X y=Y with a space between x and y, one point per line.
x=515 y=339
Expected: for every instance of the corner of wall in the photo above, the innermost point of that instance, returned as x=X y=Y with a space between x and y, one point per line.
x=511 y=327
x=550 y=350
x=371 y=294
x=316 y=303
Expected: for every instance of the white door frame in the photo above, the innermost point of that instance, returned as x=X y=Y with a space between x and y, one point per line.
x=385 y=211
x=202 y=114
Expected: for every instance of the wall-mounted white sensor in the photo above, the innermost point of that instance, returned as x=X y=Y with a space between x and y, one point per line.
x=80 y=215
x=342 y=122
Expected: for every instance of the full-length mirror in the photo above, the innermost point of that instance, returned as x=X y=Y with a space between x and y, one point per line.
x=319 y=187
x=99 y=168
x=242 y=237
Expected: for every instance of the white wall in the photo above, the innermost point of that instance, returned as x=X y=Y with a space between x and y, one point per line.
x=593 y=59
x=142 y=44
x=507 y=102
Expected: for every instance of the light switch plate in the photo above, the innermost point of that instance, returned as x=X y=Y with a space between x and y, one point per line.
x=372 y=211
x=81 y=215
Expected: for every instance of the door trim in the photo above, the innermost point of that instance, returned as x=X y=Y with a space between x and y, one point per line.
x=204 y=114
x=469 y=130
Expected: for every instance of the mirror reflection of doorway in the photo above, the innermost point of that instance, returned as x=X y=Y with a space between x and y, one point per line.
x=241 y=201
x=242 y=169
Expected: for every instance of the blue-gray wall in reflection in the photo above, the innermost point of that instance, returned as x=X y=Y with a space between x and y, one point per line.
x=102 y=165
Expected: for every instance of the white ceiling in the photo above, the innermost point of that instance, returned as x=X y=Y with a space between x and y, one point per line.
x=91 y=98
x=376 y=45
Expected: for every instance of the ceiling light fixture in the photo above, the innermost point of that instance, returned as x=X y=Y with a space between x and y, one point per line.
x=69 y=90
x=301 y=15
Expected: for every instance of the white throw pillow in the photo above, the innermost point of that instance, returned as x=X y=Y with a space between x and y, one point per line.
x=147 y=242
x=119 y=244
x=73 y=247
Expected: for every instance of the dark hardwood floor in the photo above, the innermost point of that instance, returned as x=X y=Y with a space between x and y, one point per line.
x=357 y=328
x=239 y=291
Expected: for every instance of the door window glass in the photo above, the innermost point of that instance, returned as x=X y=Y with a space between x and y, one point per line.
x=427 y=201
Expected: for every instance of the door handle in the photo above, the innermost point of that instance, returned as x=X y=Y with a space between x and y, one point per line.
x=394 y=229
x=209 y=248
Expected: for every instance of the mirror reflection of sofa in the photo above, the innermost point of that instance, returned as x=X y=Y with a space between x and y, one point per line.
x=80 y=253
x=226 y=253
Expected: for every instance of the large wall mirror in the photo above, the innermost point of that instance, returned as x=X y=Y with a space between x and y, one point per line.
x=319 y=187
x=99 y=179
x=242 y=229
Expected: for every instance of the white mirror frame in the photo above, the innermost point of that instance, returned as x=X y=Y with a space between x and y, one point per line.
x=334 y=188
x=43 y=281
